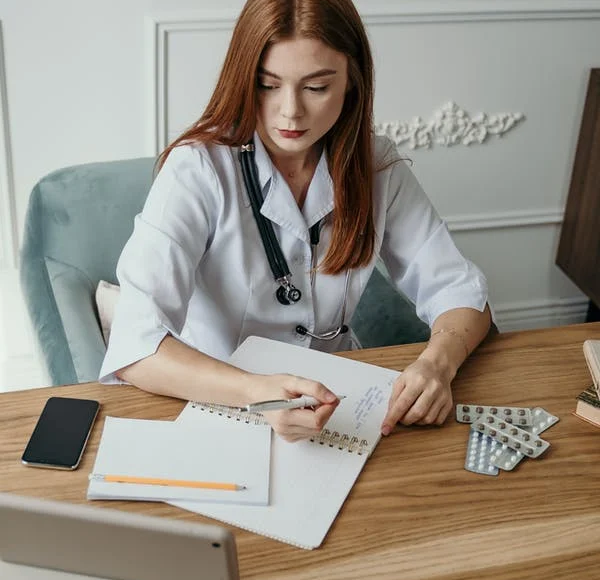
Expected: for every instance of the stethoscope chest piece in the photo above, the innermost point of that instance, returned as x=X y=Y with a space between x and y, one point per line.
x=287 y=294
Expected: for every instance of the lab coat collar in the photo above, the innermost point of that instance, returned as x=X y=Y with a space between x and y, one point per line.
x=263 y=162
x=319 y=198
x=281 y=207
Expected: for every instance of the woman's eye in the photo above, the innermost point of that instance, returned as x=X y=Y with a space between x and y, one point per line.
x=266 y=87
x=317 y=89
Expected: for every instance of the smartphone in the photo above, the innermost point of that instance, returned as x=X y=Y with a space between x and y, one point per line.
x=61 y=433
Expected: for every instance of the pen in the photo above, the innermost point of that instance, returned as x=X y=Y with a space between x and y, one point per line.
x=279 y=404
x=166 y=482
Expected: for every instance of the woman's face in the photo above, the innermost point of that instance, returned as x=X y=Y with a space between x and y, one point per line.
x=302 y=86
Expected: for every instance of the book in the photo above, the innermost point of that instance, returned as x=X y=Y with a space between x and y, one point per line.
x=591 y=352
x=204 y=450
x=310 y=479
x=588 y=406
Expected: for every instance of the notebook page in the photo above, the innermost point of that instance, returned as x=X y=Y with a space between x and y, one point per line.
x=204 y=450
x=366 y=387
x=309 y=480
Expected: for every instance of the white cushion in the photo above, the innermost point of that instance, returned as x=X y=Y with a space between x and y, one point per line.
x=107 y=295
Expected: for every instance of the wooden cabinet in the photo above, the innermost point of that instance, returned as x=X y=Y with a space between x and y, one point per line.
x=579 y=247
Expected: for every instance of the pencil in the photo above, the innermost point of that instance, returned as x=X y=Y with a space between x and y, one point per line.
x=167 y=482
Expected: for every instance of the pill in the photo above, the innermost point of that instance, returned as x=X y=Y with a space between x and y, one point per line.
x=507 y=411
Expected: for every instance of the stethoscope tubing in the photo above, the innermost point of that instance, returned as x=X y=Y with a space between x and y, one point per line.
x=276 y=259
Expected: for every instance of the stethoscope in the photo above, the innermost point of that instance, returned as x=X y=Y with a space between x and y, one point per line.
x=287 y=293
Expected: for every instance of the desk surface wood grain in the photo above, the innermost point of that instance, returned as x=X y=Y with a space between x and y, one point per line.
x=414 y=512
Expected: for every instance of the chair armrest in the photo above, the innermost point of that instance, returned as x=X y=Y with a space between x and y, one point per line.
x=60 y=300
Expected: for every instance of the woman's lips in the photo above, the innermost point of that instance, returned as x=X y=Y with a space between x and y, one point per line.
x=290 y=134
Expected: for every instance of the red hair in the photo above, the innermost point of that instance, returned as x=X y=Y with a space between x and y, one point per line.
x=230 y=116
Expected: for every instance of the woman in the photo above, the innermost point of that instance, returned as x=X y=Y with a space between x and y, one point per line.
x=293 y=109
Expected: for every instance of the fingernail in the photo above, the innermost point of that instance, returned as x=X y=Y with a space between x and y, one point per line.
x=331 y=398
x=386 y=430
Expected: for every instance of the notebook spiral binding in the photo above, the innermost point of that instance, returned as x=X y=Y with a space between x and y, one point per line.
x=341 y=441
x=333 y=439
x=231 y=413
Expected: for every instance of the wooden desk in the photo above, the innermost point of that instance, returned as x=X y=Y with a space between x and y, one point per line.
x=414 y=513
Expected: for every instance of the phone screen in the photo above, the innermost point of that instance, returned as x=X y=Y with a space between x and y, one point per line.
x=61 y=433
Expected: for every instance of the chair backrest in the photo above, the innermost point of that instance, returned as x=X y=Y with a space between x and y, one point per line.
x=384 y=316
x=77 y=223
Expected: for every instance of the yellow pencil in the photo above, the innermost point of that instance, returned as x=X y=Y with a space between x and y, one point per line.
x=167 y=482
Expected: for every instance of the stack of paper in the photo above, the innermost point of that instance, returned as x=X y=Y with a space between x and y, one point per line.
x=207 y=450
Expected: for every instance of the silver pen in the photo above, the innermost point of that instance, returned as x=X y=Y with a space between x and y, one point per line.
x=279 y=404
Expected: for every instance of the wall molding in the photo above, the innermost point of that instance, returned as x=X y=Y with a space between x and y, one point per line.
x=504 y=219
x=540 y=313
x=416 y=11
x=161 y=26
x=8 y=221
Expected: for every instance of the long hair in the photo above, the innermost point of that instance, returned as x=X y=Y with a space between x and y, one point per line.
x=231 y=114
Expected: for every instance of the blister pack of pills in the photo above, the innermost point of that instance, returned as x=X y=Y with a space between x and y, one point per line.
x=506 y=458
x=521 y=416
x=529 y=444
x=480 y=450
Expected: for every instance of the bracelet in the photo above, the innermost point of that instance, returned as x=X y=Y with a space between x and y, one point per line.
x=453 y=332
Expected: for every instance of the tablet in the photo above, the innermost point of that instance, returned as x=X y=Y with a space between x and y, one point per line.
x=37 y=536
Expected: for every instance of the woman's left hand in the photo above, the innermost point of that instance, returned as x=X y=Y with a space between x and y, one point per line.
x=421 y=395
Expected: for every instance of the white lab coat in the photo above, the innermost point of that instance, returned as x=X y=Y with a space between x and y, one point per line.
x=195 y=266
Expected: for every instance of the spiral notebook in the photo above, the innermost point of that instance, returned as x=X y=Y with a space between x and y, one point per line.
x=309 y=480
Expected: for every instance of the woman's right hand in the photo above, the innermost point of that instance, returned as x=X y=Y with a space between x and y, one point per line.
x=294 y=424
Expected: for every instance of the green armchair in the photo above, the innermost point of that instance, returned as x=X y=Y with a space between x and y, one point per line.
x=77 y=222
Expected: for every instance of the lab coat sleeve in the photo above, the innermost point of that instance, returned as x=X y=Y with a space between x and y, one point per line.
x=420 y=255
x=156 y=270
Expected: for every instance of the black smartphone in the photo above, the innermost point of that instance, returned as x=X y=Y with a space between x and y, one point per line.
x=61 y=433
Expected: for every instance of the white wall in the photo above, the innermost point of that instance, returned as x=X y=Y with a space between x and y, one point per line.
x=82 y=81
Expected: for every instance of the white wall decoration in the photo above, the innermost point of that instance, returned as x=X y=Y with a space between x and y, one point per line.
x=449 y=125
